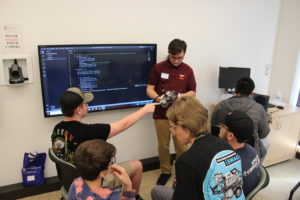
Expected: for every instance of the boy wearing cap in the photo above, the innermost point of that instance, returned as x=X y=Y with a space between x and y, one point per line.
x=71 y=132
x=236 y=130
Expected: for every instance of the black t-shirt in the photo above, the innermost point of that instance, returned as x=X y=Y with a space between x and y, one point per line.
x=210 y=169
x=66 y=136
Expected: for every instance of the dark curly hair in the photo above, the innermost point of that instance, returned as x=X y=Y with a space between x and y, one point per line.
x=244 y=86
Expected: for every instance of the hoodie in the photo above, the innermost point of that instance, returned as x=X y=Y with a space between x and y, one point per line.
x=254 y=110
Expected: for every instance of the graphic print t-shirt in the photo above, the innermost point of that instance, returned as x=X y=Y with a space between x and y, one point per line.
x=224 y=179
x=66 y=136
x=80 y=190
x=209 y=170
x=250 y=166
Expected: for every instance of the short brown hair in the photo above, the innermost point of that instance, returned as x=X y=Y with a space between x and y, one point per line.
x=93 y=156
x=189 y=113
x=177 y=46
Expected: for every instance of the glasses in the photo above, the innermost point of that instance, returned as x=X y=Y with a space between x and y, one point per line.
x=177 y=58
x=113 y=160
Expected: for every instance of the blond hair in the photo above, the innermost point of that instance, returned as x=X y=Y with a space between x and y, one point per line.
x=189 y=113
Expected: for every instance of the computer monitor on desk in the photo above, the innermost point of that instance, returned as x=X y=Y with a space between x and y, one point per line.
x=262 y=99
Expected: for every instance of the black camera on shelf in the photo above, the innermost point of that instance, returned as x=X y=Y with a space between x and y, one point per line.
x=167 y=98
x=16 y=74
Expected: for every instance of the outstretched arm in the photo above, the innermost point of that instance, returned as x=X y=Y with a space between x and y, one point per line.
x=129 y=120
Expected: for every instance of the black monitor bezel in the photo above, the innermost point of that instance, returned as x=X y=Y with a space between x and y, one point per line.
x=82 y=45
x=221 y=85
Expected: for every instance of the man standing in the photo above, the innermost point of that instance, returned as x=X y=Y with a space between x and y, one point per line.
x=243 y=102
x=169 y=75
x=238 y=128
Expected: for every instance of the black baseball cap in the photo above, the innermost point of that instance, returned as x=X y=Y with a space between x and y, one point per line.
x=240 y=124
x=73 y=97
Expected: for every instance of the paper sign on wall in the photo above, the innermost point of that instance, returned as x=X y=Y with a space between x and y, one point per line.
x=11 y=39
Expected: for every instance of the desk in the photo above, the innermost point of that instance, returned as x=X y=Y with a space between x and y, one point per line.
x=284 y=134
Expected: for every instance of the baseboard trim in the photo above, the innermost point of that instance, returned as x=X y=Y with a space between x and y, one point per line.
x=16 y=191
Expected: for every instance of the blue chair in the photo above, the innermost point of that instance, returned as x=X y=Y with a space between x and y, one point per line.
x=263 y=182
x=66 y=173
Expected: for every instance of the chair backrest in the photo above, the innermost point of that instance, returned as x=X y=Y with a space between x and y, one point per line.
x=264 y=181
x=66 y=172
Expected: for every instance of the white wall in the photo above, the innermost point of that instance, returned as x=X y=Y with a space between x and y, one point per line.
x=228 y=33
x=287 y=50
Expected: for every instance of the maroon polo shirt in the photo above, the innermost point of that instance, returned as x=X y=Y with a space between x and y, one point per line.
x=164 y=75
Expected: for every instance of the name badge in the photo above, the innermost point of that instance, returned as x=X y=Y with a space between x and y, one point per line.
x=164 y=75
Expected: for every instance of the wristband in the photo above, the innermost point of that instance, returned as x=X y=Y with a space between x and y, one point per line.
x=178 y=96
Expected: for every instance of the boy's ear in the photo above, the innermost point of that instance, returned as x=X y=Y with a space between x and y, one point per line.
x=78 y=109
x=103 y=173
x=230 y=136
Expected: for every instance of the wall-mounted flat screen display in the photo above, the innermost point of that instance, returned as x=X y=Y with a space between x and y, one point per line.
x=116 y=74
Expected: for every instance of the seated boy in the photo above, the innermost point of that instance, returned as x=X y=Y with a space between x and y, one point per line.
x=94 y=159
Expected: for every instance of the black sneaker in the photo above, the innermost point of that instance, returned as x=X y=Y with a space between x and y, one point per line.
x=162 y=179
x=138 y=197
